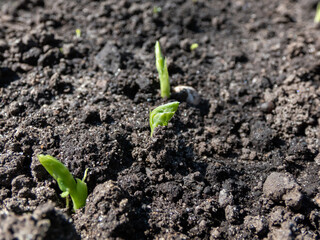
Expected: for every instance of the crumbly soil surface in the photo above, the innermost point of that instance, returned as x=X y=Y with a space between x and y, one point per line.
x=242 y=164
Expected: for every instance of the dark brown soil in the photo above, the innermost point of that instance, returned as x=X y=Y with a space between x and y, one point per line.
x=243 y=164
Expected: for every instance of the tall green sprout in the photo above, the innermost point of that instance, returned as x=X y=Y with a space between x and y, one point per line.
x=161 y=64
x=317 y=17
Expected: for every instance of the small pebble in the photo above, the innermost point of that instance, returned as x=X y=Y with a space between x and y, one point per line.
x=267 y=107
x=188 y=94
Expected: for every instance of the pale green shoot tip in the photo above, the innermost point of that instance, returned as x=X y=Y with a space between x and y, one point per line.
x=317 y=17
x=156 y=9
x=194 y=46
x=78 y=32
x=161 y=65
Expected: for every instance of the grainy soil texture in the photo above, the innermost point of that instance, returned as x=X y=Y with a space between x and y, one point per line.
x=241 y=160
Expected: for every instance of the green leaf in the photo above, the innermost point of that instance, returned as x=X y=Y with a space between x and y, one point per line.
x=58 y=171
x=161 y=115
x=161 y=64
x=68 y=185
x=79 y=200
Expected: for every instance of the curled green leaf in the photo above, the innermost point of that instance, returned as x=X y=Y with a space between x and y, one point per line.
x=161 y=115
x=77 y=189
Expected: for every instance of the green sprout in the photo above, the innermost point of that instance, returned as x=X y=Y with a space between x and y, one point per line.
x=317 y=17
x=161 y=115
x=161 y=64
x=156 y=9
x=77 y=189
x=78 y=32
x=194 y=46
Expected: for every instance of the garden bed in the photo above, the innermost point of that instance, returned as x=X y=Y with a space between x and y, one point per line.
x=78 y=79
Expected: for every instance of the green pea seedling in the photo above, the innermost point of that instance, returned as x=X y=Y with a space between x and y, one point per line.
x=317 y=17
x=156 y=9
x=161 y=115
x=161 y=64
x=77 y=189
x=194 y=46
x=78 y=32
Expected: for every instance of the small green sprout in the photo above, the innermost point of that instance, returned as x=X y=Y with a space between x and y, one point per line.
x=156 y=9
x=317 y=17
x=161 y=64
x=194 y=46
x=78 y=32
x=161 y=115
x=68 y=185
